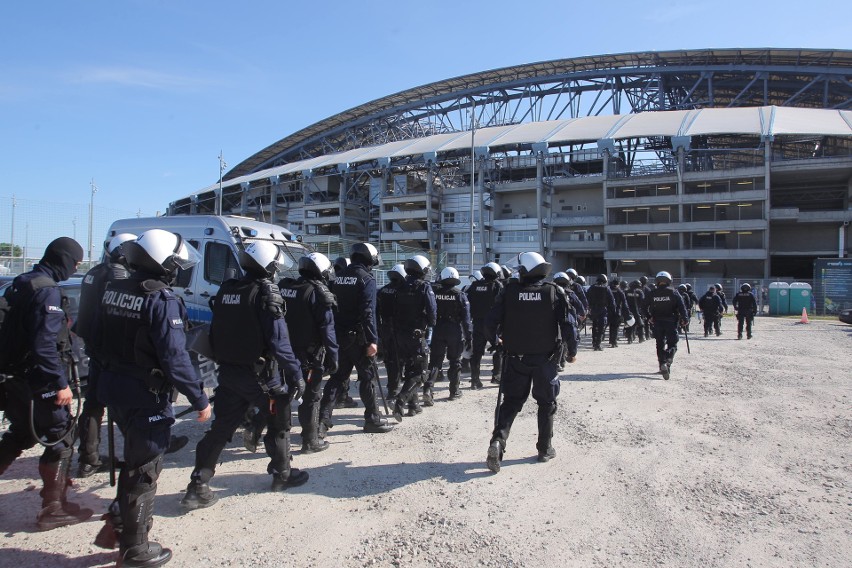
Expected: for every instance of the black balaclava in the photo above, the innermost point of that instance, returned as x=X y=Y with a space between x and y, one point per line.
x=62 y=256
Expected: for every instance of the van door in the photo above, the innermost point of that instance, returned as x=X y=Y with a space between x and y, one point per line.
x=218 y=264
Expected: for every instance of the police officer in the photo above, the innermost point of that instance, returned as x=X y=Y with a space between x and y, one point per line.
x=482 y=294
x=530 y=317
x=745 y=305
x=576 y=284
x=687 y=302
x=635 y=300
x=39 y=359
x=665 y=311
x=721 y=294
x=144 y=351
x=384 y=314
x=248 y=335
x=415 y=314
x=310 y=314
x=647 y=289
x=601 y=303
x=575 y=306
x=711 y=306
x=453 y=331
x=355 y=326
x=344 y=399
x=87 y=327
x=693 y=300
x=619 y=313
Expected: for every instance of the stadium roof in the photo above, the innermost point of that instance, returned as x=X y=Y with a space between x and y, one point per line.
x=764 y=122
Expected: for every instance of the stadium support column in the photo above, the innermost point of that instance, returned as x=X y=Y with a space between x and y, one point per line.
x=606 y=148
x=540 y=151
x=244 y=195
x=681 y=145
x=434 y=239
x=480 y=189
x=767 y=182
x=274 y=187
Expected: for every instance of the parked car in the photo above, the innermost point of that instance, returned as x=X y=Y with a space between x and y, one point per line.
x=845 y=315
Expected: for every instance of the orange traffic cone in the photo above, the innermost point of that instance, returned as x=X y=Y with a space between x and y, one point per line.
x=804 y=316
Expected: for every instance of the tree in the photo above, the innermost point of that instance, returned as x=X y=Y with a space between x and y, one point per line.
x=6 y=247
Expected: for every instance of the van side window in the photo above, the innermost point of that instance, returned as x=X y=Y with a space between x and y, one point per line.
x=219 y=261
x=184 y=277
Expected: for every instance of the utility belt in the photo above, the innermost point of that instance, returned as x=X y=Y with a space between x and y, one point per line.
x=155 y=380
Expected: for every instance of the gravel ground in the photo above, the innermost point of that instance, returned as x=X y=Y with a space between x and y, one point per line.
x=741 y=459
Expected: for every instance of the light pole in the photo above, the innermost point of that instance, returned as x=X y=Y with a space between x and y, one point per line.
x=222 y=166
x=12 y=240
x=91 y=214
x=74 y=224
x=472 y=175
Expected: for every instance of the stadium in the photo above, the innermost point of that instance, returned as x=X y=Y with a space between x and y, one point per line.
x=709 y=163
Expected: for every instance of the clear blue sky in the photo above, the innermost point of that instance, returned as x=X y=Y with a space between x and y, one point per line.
x=142 y=95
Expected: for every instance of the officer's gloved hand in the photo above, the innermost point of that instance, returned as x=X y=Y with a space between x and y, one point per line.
x=329 y=365
x=296 y=388
x=468 y=345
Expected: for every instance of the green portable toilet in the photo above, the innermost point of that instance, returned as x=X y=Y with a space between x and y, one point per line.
x=800 y=297
x=779 y=299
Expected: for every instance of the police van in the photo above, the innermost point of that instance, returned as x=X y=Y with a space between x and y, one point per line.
x=218 y=239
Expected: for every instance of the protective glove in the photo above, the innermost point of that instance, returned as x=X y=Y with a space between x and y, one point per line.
x=467 y=345
x=296 y=388
x=329 y=364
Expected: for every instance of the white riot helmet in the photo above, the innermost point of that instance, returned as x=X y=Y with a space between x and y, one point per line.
x=315 y=265
x=366 y=253
x=572 y=274
x=450 y=277
x=397 y=272
x=561 y=278
x=263 y=257
x=417 y=266
x=532 y=265
x=476 y=276
x=113 y=246
x=160 y=252
x=491 y=271
x=663 y=278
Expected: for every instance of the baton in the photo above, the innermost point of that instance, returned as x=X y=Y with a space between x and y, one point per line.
x=111 y=446
x=379 y=384
x=183 y=413
x=686 y=337
x=503 y=362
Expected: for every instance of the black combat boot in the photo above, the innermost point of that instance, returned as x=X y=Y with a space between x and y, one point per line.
x=198 y=493
x=136 y=550
x=311 y=443
x=414 y=407
x=475 y=383
x=546 y=414
x=377 y=425
x=427 y=397
x=288 y=476
x=56 y=510
x=495 y=455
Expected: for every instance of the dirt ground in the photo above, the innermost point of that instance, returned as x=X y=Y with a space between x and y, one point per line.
x=743 y=458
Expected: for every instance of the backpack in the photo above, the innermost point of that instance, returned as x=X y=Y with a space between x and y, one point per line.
x=12 y=348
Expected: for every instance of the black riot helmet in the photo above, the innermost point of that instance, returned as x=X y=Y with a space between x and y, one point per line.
x=681 y=288
x=623 y=285
x=688 y=287
x=643 y=280
x=507 y=272
x=340 y=264
x=531 y=266
x=601 y=279
x=635 y=284
x=365 y=253
x=614 y=283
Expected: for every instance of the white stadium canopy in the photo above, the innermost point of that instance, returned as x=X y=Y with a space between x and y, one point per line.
x=765 y=122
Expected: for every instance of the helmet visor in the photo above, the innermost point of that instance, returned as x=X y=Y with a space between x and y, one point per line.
x=186 y=256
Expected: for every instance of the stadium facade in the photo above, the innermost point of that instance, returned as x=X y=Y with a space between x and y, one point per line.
x=706 y=163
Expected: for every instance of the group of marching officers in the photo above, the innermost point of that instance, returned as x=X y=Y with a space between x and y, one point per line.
x=274 y=342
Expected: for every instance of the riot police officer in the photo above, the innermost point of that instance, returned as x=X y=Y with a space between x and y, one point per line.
x=601 y=303
x=576 y=283
x=721 y=293
x=618 y=311
x=745 y=305
x=38 y=360
x=344 y=399
x=575 y=306
x=310 y=314
x=87 y=327
x=355 y=326
x=414 y=317
x=635 y=300
x=453 y=331
x=144 y=350
x=687 y=302
x=530 y=317
x=249 y=337
x=384 y=315
x=693 y=300
x=665 y=310
x=482 y=294
x=646 y=291
x=711 y=306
